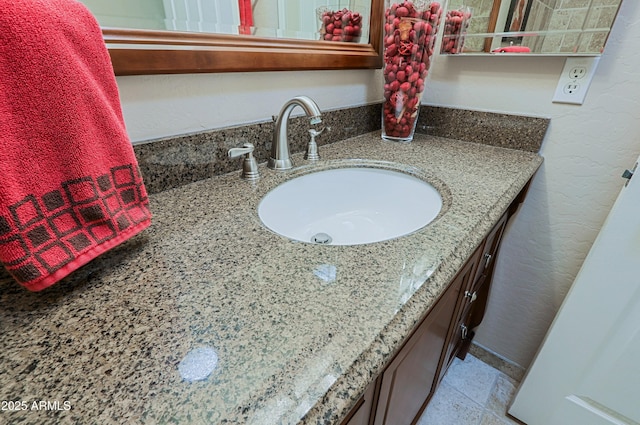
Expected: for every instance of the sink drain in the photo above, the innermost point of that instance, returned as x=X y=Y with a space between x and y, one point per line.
x=321 y=238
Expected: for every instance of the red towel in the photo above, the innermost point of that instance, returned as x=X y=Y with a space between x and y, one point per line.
x=70 y=186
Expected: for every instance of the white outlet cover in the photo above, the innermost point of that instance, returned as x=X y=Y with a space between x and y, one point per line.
x=575 y=79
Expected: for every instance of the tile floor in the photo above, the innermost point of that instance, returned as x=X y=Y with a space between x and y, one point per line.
x=471 y=393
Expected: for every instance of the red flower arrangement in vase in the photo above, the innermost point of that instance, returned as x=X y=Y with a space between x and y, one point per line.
x=456 y=23
x=340 y=25
x=410 y=31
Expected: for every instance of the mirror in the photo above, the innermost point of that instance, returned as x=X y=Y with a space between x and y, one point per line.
x=540 y=27
x=186 y=36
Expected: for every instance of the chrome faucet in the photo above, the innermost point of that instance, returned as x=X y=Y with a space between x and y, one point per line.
x=280 y=157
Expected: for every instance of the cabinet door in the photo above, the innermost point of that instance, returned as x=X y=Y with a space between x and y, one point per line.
x=408 y=381
x=476 y=297
x=464 y=281
x=361 y=413
x=490 y=250
x=479 y=293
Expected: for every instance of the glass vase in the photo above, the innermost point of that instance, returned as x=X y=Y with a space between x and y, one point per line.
x=456 y=23
x=410 y=31
x=339 y=24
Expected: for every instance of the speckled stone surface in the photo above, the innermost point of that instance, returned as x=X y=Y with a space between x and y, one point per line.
x=490 y=128
x=174 y=161
x=292 y=344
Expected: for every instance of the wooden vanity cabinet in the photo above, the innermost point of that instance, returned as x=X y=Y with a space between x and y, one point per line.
x=454 y=340
x=473 y=302
x=409 y=381
x=402 y=392
x=360 y=414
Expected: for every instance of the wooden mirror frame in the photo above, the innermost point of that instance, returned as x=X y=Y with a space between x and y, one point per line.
x=139 y=52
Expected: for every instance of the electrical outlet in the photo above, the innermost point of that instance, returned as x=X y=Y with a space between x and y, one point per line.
x=571 y=88
x=578 y=72
x=575 y=80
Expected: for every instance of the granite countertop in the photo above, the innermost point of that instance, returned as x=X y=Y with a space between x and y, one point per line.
x=298 y=330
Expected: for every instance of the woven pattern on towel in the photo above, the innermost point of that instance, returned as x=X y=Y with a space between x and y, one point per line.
x=70 y=186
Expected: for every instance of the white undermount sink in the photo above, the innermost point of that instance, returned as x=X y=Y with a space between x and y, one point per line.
x=350 y=206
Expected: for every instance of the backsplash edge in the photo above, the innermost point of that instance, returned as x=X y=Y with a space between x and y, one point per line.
x=171 y=162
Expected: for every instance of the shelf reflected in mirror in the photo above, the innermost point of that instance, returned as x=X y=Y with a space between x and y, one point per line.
x=536 y=27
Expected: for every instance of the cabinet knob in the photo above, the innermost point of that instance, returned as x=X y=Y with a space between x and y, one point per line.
x=471 y=295
x=464 y=330
x=487 y=260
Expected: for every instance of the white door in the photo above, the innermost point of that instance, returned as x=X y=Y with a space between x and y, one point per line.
x=587 y=371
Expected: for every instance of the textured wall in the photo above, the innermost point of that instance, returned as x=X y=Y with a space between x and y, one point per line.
x=156 y=106
x=585 y=150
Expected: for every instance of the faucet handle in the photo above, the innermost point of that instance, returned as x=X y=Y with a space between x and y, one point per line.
x=312 y=148
x=315 y=133
x=247 y=148
x=249 y=163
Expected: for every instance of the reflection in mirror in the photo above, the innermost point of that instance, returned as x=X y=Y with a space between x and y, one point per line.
x=293 y=19
x=549 y=27
x=187 y=36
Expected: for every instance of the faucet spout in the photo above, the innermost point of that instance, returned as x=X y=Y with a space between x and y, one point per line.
x=280 y=157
